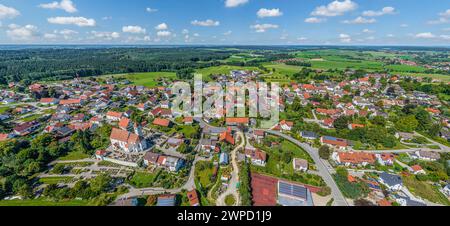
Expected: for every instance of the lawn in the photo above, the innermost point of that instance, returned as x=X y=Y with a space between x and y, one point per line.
x=73 y=155
x=203 y=173
x=142 y=179
x=188 y=131
x=230 y=200
x=149 y=79
x=43 y=202
x=3 y=109
x=55 y=180
x=31 y=118
x=224 y=69
x=425 y=190
x=279 y=164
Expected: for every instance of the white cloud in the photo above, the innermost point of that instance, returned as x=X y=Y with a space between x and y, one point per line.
x=269 y=13
x=8 y=12
x=163 y=33
x=67 y=32
x=385 y=11
x=315 y=20
x=345 y=38
x=106 y=35
x=151 y=10
x=260 y=28
x=234 y=3
x=335 y=8
x=227 y=33
x=445 y=37
x=404 y=25
x=368 y=31
x=302 y=39
x=205 y=23
x=185 y=31
x=17 y=32
x=443 y=19
x=50 y=36
x=79 y=21
x=66 y=5
x=107 y=18
x=425 y=35
x=445 y=14
x=133 y=29
x=390 y=35
x=162 y=26
x=360 y=20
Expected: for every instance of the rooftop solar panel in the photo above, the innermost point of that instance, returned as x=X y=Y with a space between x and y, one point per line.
x=292 y=190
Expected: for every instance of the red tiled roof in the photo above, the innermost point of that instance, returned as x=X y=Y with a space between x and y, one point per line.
x=161 y=122
x=237 y=120
x=193 y=197
x=70 y=101
x=356 y=157
x=114 y=114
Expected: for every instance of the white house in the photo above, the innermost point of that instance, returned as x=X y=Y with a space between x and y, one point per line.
x=300 y=164
x=126 y=141
x=257 y=156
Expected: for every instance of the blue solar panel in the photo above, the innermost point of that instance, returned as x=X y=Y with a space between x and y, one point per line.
x=292 y=190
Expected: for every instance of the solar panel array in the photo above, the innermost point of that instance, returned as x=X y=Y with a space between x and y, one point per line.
x=292 y=190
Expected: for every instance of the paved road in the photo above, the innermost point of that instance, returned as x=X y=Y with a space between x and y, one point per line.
x=232 y=185
x=339 y=199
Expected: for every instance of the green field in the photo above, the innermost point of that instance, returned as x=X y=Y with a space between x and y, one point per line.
x=142 y=179
x=55 y=180
x=149 y=79
x=74 y=155
x=224 y=69
x=43 y=202
x=203 y=173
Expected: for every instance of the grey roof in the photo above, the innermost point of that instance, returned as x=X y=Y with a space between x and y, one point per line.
x=391 y=179
x=308 y=134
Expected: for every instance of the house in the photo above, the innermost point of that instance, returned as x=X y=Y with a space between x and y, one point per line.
x=308 y=135
x=71 y=102
x=193 y=198
x=188 y=120
x=208 y=145
x=223 y=159
x=259 y=135
x=404 y=136
x=354 y=126
x=166 y=200
x=385 y=159
x=142 y=106
x=353 y=158
x=427 y=155
x=151 y=158
x=4 y=136
x=337 y=143
x=227 y=136
x=391 y=181
x=237 y=121
x=127 y=202
x=100 y=154
x=171 y=163
x=26 y=128
x=416 y=169
x=113 y=116
x=161 y=122
x=258 y=157
x=49 y=101
x=126 y=141
x=125 y=124
x=286 y=125
x=174 y=142
x=300 y=164
x=446 y=190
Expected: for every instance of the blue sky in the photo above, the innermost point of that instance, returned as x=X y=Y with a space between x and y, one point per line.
x=292 y=22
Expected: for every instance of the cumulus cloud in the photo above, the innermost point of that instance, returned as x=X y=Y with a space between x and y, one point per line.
x=260 y=28
x=163 y=33
x=17 y=32
x=151 y=10
x=335 y=8
x=302 y=39
x=8 y=12
x=269 y=13
x=345 y=38
x=66 y=5
x=78 y=21
x=360 y=20
x=105 y=35
x=133 y=29
x=227 y=33
x=234 y=3
x=445 y=14
x=385 y=11
x=315 y=20
x=425 y=35
x=367 y=31
x=205 y=23
x=162 y=26
x=443 y=19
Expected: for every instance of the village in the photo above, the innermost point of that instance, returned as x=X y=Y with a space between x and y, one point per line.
x=303 y=162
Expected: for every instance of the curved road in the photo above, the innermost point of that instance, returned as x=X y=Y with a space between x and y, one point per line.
x=339 y=199
x=232 y=187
